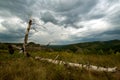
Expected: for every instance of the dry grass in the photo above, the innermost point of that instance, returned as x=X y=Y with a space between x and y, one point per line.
x=18 y=67
x=100 y=60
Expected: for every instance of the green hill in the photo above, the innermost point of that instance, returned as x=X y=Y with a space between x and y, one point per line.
x=99 y=47
x=92 y=47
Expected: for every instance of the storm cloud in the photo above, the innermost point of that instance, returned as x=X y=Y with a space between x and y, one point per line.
x=64 y=21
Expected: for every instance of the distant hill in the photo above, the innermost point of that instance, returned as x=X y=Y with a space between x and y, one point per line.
x=92 y=47
x=99 y=47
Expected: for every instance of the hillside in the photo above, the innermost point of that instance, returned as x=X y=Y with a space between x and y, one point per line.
x=99 y=47
x=107 y=46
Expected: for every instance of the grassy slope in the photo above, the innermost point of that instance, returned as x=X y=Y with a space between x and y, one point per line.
x=18 y=67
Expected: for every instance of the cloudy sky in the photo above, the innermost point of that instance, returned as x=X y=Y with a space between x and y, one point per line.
x=63 y=21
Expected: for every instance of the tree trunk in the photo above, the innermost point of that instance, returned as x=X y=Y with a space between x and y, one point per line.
x=26 y=37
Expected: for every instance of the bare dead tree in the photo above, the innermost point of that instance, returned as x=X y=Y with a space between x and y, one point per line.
x=26 y=37
x=23 y=48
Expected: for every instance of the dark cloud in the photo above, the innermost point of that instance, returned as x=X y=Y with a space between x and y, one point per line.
x=48 y=17
x=115 y=18
x=97 y=16
x=96 y=38
x=114 y=32
x=108 y=35
x=19 y=8
x=62 y=13
x=12 y=28
x=11 y=33
x=76 y=14
x=72 y=10
x=8 y=37
x=76 y=6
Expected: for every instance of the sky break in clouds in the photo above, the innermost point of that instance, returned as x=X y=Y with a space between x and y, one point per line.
x=65 y=21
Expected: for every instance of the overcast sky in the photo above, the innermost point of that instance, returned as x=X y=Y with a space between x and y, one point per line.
x=64 y=21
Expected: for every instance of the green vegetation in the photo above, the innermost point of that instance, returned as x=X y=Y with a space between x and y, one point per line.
x=19 y=67
x=92 y=47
